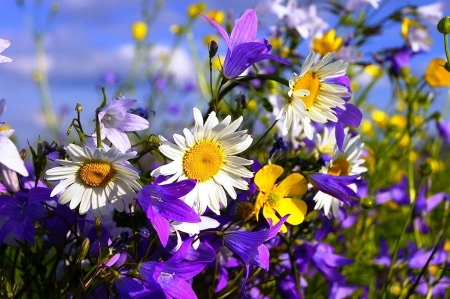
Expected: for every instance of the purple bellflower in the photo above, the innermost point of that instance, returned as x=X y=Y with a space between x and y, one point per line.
x=336 y=186
x=443 y=128
x=243 y=47
x=249 y=246
x=170 y=278
x=351 y=116
x=23 y=210
x=161 y=203
x=115 y=120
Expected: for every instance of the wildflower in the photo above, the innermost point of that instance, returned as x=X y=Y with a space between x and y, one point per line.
x=139 y=30
x=278 y=146
x=279 y=198
x=9 y=155
x=22 y=211
x=431 y=12
x=243 y=49
x=354 y=4
x=171 y=278
x=161 y=203
x=4 y=44
x=327 y=43
x=343 y=164
x=416 y=36
x=115 y=120
x=249 y=245
x=208 y=156
x=304 y=20
x=443 y=128
x=436 y=75
x=312 y=96
x=94 y=177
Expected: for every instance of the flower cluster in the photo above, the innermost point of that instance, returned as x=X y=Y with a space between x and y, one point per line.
x=338 y=206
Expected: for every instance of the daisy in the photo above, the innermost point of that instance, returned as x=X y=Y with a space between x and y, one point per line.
x=95 y=176
x=207 y=155
x=313 y=96
x=345 y=163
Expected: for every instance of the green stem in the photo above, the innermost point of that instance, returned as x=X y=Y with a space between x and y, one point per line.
x=198 y=67
x=447 y=52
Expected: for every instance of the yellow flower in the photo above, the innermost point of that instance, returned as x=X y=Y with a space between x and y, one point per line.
x=436 y=75
x=209 y=38
x=373 y=70
x=327 y=43
x=276 y=199
x=379 y=117
x=195 y=9
x=216 y=15
x=406 y=25
x=139 y=30
x=398 y=121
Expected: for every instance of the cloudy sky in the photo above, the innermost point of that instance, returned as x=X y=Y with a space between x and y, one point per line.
x=87 y=38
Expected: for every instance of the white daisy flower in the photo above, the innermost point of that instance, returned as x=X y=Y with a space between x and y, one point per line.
x=312 y=97
x=208 y=155
x=347 y=162
x=95 y=177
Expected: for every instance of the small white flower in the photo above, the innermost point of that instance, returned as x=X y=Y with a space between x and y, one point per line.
x=4 y=44
x=208 y=156
x=95 y=177
x=354 y=4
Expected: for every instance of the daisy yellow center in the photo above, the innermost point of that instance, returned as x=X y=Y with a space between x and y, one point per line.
x=340 y=167
x=4 y=127
x=311 y=82
x=273 y=199
x=203 y=161
x=96 y=173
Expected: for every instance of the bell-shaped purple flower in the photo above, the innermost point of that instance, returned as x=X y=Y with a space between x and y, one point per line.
x=336 y=186
x=161 y=203
x=243 y=47
x=23 y=210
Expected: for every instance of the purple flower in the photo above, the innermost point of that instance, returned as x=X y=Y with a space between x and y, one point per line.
x=351 y=116
x=23 y=210
x=169 y=278
x=278 y=146
x=243 y=47
x=115 y=120
x=249 y=246
x=336 y=186
x=399 y=59
x=161 y=203
x=443 y=128
x=397 y=193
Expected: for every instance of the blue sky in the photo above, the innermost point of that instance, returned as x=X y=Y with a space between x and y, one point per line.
x=87 y=38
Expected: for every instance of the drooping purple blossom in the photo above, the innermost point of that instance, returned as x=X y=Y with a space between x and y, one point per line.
x=443 y=128
x=249 y=246
x=351 y=116
x=278 y=146
x=161 y=203
x=23 y=210
x=243 y=47
x=336 y=186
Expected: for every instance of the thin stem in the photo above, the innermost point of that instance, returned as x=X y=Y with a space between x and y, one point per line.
x=447 y=52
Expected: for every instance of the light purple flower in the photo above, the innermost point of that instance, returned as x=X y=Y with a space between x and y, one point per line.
x=336 y=186
x=115 y=121
x=4 y=44
x=443 y=128
x=243 y=47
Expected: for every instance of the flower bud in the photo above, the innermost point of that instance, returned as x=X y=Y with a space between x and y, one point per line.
x=367 y=202
x=98 y=226
x=213 y=47
x=444 y=25
x=84 y=249
x=78 y=108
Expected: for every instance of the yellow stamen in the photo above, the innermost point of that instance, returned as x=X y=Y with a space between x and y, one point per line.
x=340 y=167
x=96 y=173
x=272 y=199
x=309 y=81
x=203 y=161
x=4 y=127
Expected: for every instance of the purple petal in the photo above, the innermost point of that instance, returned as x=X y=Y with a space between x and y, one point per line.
x=161 y=225
x=351 y=116
x=335 y=186
x=263 y=257
x=7 y=227
x=245 y=244
x=129 y=288
x=241 y=58
x=175 y=209
x=132 y=122
x=244 y=30
x=176 y=287
x=433 y=201
x=219 y=28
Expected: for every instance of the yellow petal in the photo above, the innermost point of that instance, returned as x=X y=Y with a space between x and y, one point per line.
x=293 y=185
x=296 y=207
x=265 y=178
x=268 y=212
x=436 y=75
